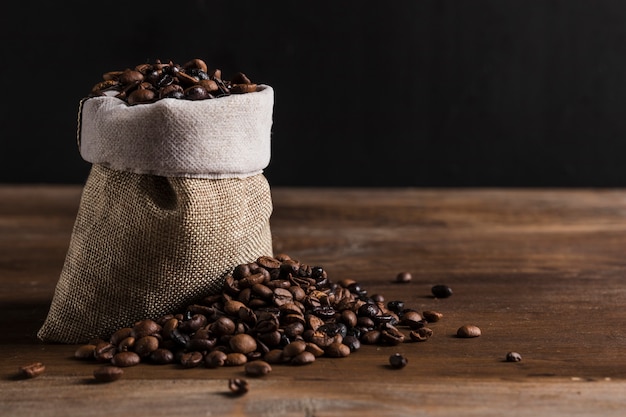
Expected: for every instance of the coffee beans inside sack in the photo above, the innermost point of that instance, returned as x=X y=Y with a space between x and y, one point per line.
x=174 y=200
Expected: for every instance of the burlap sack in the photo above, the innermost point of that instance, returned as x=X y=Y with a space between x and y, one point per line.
x=174 y=200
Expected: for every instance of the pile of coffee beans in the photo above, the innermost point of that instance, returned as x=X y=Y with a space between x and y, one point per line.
x=149 y=82
x=276 y=310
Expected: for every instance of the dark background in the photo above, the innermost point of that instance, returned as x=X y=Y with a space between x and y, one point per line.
x=398 y=93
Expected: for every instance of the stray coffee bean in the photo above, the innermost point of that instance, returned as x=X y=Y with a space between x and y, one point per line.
x=468 y=331
x=31 y=370
x=441 y=291
x=398 y=361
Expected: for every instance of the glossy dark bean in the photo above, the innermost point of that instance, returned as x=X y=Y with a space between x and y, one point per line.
x=441 y=291
x=398 y=361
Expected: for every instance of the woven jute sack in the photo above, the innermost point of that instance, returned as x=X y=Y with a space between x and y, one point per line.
x=175 y=199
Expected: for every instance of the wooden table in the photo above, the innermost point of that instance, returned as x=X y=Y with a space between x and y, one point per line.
x=541 y=272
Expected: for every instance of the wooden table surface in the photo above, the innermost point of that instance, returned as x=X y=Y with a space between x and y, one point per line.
x=541 y=272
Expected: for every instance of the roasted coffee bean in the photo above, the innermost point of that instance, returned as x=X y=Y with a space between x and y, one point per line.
x=257 y=368
x=391 y=335
x=191 y=359
x=120 y=335
x=238 y=386
x=468 y=331
x=162 y=356
x=421 y=334
x=124 y=359
x=303 y=358
x=274 y=356
x=127 y=344
x=513 y=357
x=146 y=345
x=85 y=352
x=180 y=338
x=314 y=349
x=242 y=343
x=140 y=96
x=104 y=351
x=441 y=291
x=215 y=359
x=352 y=342
x=412 y=319
x=235 y=359
x=145 y=328
x=404 y=277
x=321 y=339
x=371 y=338
x=432 y=316
x=294 y=348
x=369 y=310
x=337 y=350
x=398 y=361
x=108 y=373
x=332 y=329
x=32 y=370
x=395 y=306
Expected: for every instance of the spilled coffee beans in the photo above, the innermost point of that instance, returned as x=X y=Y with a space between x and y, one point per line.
x=275 y=310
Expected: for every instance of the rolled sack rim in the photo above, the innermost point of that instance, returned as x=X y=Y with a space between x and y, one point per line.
x=225 y=137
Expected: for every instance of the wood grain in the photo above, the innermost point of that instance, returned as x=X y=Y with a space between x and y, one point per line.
x=541 y=272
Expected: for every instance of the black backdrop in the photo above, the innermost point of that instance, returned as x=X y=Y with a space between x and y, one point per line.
x=398 y=93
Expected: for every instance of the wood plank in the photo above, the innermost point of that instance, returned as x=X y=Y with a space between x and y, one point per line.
x=539 y=271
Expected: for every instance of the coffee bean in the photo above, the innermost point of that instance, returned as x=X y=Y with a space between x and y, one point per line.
x=398 y=361
x=145 y=328
x=337 y=350
x=468 y=331
x=352 y=342
x=238 y=386
x=104 y=351
x=146 y=345
x=215 y=359
x=191 y=359
x=242 y=343
x=441 y=291
x=274 y=356
x=85 y=352
x=421 y=335
x=294 y=348
x=32 y=370
x=257 y=368
x=404 y=277
x=303 y=358
x=120 y=335
x=395 y=306
x=513 y=357
x=124 y=359
x=162 y=356
x=108 y=373
x=432 y=316
x=235 y=359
